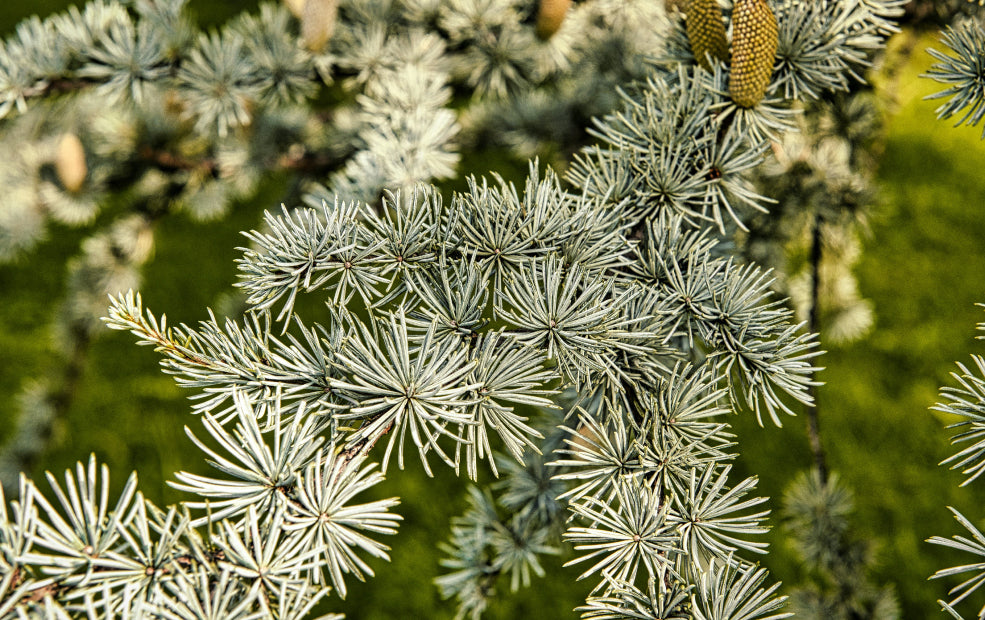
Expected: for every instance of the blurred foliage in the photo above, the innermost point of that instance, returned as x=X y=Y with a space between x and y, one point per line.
x=207 y=12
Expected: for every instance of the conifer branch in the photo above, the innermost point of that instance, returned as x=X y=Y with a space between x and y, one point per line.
x=608 y=296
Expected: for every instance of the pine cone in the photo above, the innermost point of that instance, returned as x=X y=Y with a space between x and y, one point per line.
x=70 y=163
x=706 y=32
x=754 y=40
x=550 y=16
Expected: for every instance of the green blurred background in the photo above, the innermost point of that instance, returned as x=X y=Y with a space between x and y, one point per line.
x=923 y=268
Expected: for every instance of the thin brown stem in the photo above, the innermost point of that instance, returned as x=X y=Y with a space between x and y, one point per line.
x=312 y=163
x=813 y=324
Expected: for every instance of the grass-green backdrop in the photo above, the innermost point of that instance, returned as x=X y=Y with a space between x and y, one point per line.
x=923 y=267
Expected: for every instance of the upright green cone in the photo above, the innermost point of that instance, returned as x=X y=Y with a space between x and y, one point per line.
x=675 y=5
x=754 y=40
x=706 y=31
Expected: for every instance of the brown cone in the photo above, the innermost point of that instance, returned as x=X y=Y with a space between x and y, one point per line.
x=550 y=16
x=318 y=23
x=70 y=163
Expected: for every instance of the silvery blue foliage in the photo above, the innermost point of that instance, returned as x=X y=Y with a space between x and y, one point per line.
x=966 y=401
x=962 y=70
x=595 y=327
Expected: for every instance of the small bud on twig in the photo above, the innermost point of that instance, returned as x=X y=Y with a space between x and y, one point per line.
x=550 y=16
x=318 y=23
x=295 y=6
x=70 y=163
